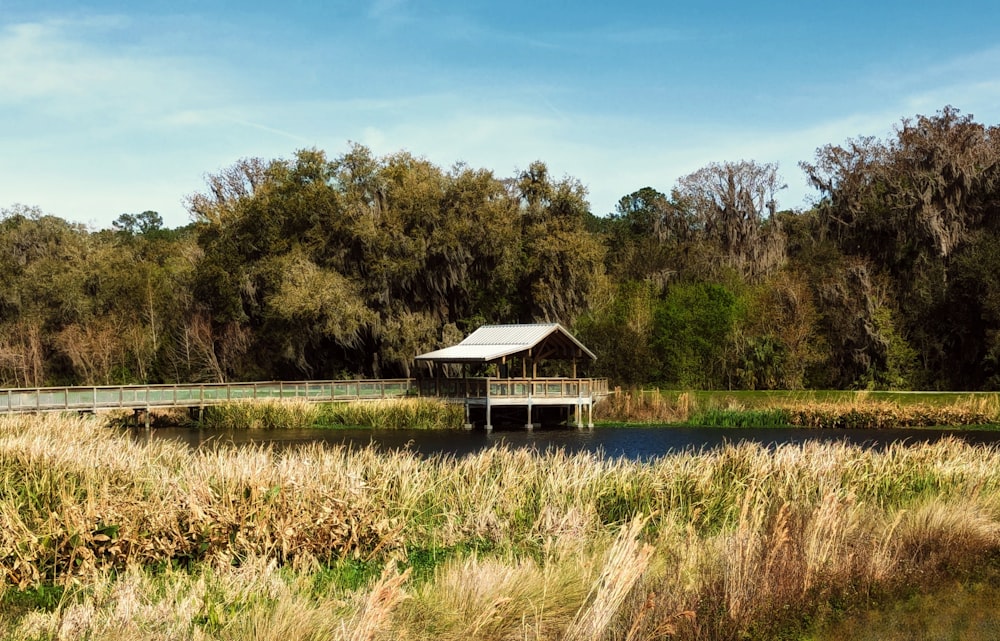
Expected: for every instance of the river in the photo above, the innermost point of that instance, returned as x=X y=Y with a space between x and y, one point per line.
x=636 y=443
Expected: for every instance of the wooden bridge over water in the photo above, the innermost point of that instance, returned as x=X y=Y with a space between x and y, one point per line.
x=477 y=394
x=495 y=347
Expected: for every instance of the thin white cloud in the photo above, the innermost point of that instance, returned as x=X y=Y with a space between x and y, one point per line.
x=68 y=68
x=390 y=14
x=129 y=128
x=645 y=35
x=292 y=137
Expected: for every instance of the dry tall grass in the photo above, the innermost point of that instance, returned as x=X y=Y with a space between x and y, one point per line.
x=644 y=406
x=290 y=413
x=873 y=414
x=859 y=410
x=151 y=540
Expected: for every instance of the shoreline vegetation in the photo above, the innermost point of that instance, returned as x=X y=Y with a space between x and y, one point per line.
x=812 y=410
x=110 y=538
x=817 y=410
x=404 y=413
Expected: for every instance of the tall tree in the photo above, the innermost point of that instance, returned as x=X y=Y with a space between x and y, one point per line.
x=733 y=204
x=563 y=262
x=909 y=206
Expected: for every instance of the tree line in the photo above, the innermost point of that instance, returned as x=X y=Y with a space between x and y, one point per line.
x=319 y=267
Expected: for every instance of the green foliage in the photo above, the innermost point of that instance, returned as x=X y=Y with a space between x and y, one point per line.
x=620 y=332
x=950 y=611
x=326 y=267
x=344 y=574
x=359 y=263
x=144 y=224
x=694 y=333
x=741 y=418
x=45 y=598
x=909 y=209
x=762 y=362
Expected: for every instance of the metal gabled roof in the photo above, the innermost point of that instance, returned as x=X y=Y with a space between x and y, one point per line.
x=492 y=342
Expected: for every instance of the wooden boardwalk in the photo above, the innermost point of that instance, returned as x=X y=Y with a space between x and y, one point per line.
x=146 y=397
x=578 y=393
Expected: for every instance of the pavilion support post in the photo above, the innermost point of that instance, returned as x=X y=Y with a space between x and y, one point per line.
x=590 y=415
x=574 y=367
x=529 y=425
x=579 y=415
x=468 y=423
x=489 y=421
x=524 y=368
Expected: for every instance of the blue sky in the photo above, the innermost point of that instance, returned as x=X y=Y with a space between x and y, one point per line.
x=108 y=107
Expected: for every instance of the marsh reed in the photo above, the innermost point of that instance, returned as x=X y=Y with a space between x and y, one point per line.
x=403 y=413
x=152 y=540
x=859 y=410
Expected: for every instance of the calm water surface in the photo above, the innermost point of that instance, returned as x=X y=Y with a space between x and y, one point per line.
x=636 y=443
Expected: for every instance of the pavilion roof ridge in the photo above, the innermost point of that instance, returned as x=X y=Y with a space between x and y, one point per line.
x=493 y=342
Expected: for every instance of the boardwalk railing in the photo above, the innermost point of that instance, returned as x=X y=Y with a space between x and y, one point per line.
x=144 y=397
x=52 y=399
x=512 y=388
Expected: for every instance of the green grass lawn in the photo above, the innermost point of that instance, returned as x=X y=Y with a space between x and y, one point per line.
x=766 y=398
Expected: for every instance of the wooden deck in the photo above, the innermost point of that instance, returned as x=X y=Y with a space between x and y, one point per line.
x=578 y=393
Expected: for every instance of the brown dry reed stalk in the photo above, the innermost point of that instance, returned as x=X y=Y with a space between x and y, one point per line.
x=859 y=410
x=871 y=414
x=378 y=607
x=627 y=561
x=402 y=413
x=644 y=406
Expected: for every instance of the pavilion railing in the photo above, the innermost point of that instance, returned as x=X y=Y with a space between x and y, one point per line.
x=512 y=388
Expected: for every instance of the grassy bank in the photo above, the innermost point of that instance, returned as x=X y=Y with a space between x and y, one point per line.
x=407 y=413
x=829 y=410
x=965 y=611
x=111 y=538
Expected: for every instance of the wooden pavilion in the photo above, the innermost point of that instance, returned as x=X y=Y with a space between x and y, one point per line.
x=509 y=348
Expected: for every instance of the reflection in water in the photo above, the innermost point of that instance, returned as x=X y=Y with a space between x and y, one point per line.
x=635 y=443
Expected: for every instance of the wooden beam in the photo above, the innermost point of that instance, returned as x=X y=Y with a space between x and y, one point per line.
x=547 y=352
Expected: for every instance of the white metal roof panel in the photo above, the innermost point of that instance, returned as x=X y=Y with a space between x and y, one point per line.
x=491 y=342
